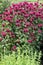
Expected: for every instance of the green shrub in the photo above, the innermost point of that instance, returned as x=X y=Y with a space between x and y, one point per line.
x=22 y=23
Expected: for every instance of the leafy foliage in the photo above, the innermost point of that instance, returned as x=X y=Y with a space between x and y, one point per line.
x=18 y=58
x=3 y=5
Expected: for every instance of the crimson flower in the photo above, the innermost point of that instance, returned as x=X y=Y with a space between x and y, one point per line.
x=3 y=33
x=39 y=31
x=14 y=48
x=40 y=25
x=7 y=30
x=25 y=30
x=29 y=41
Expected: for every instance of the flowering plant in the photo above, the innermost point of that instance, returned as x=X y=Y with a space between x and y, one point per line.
x=22 y=23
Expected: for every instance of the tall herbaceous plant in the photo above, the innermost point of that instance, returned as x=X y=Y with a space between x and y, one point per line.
x=21 y=24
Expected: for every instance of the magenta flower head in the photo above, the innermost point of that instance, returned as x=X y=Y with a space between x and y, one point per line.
x=42 y=4
x=23 y=11
x=31 y=19
x=25 y=30
x=14 y=48
x=18 y=24
x=32 y=34
x=12 y=35
x=27 y=24
x=7 y=30
x=3 y=33
x=6 y=13
x=8 y=18
x=17 y=21
x=6 y=9
x=40 y=25
x=26 y=15
x=0 y=15
x=36 y=4
x=39 y=31
x=29 y=41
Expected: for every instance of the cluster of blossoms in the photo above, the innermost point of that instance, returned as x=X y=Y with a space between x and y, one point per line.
x=26 y=21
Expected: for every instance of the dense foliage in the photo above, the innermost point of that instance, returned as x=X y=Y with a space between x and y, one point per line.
x=3 y=5
x=32 y=58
